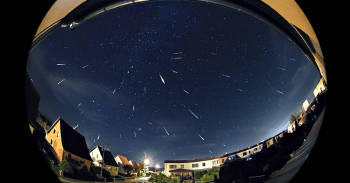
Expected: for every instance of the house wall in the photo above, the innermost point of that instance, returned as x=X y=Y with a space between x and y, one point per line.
x=305 y=105
x=31 y=129
x=113 y=170
x=269 y=143
x=320 y=87
x=83 y=162
x=96 y=157
x=291 y=128
x=121 y=165
x=250 y=151
x=55 y=140
x=188 y=165
x=222 y=160
x=118 y=160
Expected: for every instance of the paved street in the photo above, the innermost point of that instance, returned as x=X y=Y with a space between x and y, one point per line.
x=293 y=165
x=68 y=180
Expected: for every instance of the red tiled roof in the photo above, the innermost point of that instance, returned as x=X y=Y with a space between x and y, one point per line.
x=124 y=160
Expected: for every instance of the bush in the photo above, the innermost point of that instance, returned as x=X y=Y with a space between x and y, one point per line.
x=66 y=168
x=54 y=167
x=163 y=179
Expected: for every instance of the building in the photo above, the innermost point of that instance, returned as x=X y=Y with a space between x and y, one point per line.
x=103 y=158
x=124 y=165
x=321 y=86
x=244 y=153
x=269 y=142
x=305 y=105
x=291 y=128
x=36 y=129
x=191 y=165
x=68 y=144
x=185 y=167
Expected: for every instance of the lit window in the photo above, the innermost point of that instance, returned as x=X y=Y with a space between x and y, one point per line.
x=58 y=134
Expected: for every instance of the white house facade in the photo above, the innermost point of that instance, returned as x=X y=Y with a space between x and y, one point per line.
x=197 y=164
x=96 y=156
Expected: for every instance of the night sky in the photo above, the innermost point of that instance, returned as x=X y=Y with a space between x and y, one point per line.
x=171 y=80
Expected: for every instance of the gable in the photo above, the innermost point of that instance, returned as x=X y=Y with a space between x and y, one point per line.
x=72 y=141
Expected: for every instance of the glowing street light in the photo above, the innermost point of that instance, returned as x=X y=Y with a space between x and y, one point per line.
x=146 y=161
x=157 y=166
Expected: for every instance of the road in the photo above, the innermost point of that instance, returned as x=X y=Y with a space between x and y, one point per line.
x=138 y=180
x=288 y=171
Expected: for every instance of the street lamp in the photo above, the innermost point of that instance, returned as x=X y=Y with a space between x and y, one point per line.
x=146 y=163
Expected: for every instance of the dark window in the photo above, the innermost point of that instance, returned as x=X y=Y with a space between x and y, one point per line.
x=245 y=153
x=203 y=164
x=195 y=165
x=172 y=166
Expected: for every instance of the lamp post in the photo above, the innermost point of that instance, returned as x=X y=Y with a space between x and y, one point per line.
x=146 y=163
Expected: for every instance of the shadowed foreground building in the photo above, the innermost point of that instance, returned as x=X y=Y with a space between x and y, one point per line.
x=68 y=144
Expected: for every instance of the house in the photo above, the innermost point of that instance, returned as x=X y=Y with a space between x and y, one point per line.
x=244 y=153
x=320 y=87
x=134 y=164
x=269 y=142
x=291 y=128
x=305 y=105
x=103 y=158
x=68 y=144
x=124 y=165
x=36 y=129
x=189 y=165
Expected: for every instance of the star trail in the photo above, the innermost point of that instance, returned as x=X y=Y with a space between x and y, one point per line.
x=173 y=80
